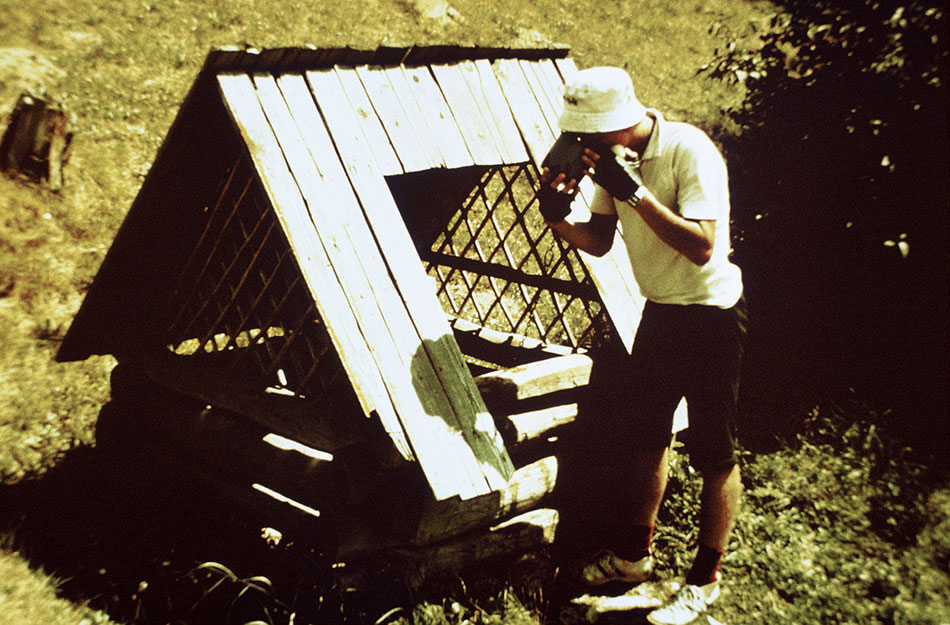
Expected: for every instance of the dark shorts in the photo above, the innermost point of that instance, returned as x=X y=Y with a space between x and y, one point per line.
x=693 y=352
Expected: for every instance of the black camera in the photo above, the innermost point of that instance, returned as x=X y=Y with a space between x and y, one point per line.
x=565 y=157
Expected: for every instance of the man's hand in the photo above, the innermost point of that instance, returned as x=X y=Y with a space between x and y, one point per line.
x=566 y=157
x=561 y=170
x=555 y=196
x=615 y=171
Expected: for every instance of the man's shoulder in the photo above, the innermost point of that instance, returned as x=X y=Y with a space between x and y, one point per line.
x=686 y=145
x=686 y=134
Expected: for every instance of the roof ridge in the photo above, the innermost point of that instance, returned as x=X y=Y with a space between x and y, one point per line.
x=274 y=60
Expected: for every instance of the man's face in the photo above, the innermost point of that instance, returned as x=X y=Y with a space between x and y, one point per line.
x=599 y=141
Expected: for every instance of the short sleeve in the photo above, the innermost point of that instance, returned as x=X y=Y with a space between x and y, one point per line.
x=602 y=203
x=702 y=179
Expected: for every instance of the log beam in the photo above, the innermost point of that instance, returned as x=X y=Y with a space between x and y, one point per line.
x=527 y=487
x=313 y=424
x=502 y=348
x=502 y=388
x=534 y=424
x=526 y=532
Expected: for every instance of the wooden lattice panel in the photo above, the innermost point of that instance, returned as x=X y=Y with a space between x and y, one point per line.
x=497 y=264
x=241 y=301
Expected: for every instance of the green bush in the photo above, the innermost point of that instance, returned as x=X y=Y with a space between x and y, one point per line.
x=839 y=192
x=839 y=529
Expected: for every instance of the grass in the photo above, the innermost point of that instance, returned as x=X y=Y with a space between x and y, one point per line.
x=27 y=596
x=841 y=525
x=830 y=540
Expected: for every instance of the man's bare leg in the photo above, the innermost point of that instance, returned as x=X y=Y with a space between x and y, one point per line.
x=649 y=470
x=719 y=505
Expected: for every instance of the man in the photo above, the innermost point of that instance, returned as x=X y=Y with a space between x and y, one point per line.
x=665 y=182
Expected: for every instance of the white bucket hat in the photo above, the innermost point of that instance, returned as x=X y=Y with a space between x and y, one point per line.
x=600 y=99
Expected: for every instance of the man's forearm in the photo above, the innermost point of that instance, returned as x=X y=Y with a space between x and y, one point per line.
x=692 y=239
x=585 y=236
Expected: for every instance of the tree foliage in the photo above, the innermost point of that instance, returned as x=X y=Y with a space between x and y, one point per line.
x=839 y=183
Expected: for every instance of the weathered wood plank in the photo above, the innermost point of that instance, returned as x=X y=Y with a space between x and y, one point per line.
x=417 y=117
x=476 y=131
x=377 y=141
x=438 y=116
x=550 y=103
x=291 y=211
x=527 y=487
x=478 y=98
x=326 y=219
x=394 y=119
x=523 y=533
x=424 y=411
x=552 y=83
x=385 y=321
x=317 y=137
x=416 y=290
x=437 y=360
x=512 y=144
x=566 y=67
x=533 y=379
x=525 y=108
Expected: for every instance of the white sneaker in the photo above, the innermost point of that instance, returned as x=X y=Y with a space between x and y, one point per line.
x=686 y=605
x=608 y=567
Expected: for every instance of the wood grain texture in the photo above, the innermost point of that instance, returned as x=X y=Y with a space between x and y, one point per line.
x=451 y=401
x=438 y=116
x=328 y=221
x=291 y=211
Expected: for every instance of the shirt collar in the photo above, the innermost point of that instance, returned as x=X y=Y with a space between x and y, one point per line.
x=653 y=148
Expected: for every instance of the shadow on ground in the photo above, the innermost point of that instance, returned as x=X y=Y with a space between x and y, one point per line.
x=132 y=540
x=144 y=542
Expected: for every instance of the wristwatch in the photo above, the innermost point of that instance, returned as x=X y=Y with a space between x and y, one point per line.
x=637 y=195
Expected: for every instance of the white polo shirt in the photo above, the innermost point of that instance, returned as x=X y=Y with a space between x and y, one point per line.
x=684 y=170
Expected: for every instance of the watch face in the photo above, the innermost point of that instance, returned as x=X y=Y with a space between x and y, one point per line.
x=637 y=196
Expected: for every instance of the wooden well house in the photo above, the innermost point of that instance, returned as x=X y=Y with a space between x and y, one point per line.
x=334 y=287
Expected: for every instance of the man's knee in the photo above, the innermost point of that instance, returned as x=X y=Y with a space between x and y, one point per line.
x=723 y=479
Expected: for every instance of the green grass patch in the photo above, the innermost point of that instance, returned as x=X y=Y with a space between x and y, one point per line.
x=29 y=596
x=846 y=525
